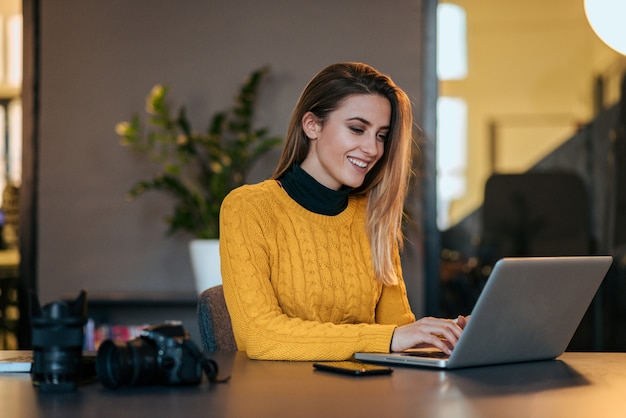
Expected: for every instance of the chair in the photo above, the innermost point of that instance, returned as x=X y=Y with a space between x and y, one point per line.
x=216 y=332
x=535 y=214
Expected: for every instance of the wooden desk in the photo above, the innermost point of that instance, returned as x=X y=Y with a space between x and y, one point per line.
x=577 y=385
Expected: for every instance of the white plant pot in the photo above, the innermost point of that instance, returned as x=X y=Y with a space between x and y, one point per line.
x=205 y=261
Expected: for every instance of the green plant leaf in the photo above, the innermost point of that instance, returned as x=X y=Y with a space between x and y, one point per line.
x=197 y=170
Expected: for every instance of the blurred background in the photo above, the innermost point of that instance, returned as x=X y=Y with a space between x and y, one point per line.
x=520 y=141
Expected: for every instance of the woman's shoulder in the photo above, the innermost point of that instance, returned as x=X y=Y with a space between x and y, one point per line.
x=253 y=194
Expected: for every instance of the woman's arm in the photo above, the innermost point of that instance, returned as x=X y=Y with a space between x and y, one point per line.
x=436 y=332
x=393 y=306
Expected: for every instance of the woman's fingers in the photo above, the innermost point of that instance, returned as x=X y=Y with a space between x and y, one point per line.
x=462 y=321
x=436 y=332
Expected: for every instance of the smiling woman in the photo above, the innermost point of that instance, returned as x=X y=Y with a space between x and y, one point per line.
x=310 y=258
x=346 y=146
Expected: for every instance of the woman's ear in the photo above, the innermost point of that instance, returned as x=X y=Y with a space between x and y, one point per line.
x=311 y=125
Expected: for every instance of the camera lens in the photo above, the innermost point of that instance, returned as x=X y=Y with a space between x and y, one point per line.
x=57 y=369
x=57 y=337
x=132 y=363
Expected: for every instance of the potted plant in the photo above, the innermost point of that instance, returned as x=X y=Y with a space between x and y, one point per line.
x=198 y=169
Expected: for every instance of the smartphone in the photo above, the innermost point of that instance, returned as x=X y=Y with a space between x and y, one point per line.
x=352 y=368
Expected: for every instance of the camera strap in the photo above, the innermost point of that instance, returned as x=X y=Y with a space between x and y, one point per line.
x=209 y=365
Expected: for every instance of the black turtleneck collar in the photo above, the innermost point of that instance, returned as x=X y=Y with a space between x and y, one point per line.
x=311 y=195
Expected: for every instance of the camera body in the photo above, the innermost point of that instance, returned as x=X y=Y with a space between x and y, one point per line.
x=161 y=355
x=177 y=365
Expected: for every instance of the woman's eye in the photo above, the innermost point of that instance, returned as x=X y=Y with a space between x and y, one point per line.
x=356 y=129
x=382 y=137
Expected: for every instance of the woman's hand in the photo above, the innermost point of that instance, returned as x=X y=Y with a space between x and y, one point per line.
x=434 y=332
x=461 y=321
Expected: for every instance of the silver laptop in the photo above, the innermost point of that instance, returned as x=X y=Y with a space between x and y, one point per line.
x=528 y=310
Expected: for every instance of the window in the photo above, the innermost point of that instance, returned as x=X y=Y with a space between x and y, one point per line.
x=451 y=111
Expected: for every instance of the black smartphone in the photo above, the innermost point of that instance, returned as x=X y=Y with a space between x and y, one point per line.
x=352 y=368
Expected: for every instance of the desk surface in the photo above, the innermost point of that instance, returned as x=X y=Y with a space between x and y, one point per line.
x=576 y=385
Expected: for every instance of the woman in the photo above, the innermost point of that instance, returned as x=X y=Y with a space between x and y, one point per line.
x=310 y=258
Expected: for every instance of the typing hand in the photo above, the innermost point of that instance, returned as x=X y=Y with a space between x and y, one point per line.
x=461 y=321
x=434 y=332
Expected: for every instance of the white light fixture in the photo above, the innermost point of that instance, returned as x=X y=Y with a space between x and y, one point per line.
x=606 y=18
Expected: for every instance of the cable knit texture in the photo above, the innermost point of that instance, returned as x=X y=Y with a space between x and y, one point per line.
x=301 y=286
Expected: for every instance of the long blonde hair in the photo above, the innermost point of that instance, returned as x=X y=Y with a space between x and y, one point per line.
x=386 y=184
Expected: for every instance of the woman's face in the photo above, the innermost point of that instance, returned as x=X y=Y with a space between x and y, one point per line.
x=350 y=141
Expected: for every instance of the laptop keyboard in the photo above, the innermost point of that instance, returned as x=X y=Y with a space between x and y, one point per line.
x=429 y=354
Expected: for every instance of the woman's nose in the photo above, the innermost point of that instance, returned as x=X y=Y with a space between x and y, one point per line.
x=369 y=145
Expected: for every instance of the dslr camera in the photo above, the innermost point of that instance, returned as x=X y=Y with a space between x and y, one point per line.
x=163 y=354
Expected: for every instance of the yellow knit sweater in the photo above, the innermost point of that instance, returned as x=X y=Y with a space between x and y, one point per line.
x=301 y=286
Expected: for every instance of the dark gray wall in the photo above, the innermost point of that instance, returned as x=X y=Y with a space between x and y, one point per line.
x=99 y=59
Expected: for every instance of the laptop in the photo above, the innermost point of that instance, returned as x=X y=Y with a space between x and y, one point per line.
x=528 y=310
